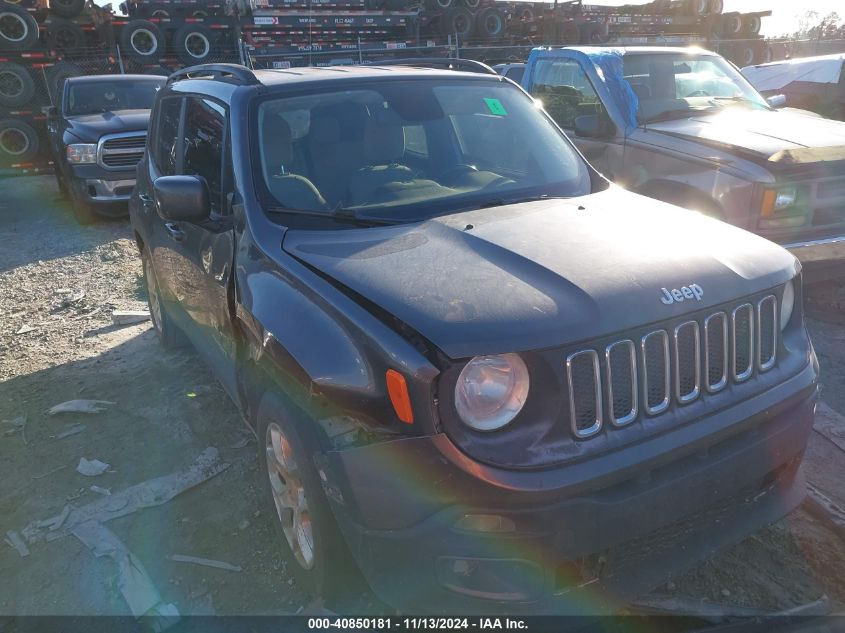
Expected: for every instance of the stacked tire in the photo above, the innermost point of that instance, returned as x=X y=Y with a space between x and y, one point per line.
x=144 y=42
x=18 y=28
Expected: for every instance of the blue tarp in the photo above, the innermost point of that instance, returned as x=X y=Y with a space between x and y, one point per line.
x=609 y=65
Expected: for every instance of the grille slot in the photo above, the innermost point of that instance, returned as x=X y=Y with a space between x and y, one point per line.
x=584 y=378
x=687 y=347
x=655 y=358
x=621 y=361
x=742 y=327
x=716 y=351
x=767 y=332
x=121 y=151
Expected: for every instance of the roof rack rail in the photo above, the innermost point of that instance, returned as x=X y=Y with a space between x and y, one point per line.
x=469 y=65
x=241 y=74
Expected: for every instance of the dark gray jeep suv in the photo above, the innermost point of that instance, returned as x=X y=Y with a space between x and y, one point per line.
x=494 y=379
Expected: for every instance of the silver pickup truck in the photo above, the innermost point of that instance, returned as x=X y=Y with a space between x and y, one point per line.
x=683 y=126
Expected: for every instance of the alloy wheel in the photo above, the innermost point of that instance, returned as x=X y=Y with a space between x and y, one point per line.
x=289 y=496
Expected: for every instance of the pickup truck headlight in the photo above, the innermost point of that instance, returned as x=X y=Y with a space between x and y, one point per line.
x=81 y=153
x=782 y=209
x=491 y=391
x=787 y=304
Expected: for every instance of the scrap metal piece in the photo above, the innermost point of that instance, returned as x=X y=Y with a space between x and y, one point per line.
x=152 y=492
x=134 y=582
x=14 y=539
x=207 y=562
x=80 y=406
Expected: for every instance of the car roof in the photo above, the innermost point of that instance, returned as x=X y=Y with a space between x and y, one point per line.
x=105 y=78
x=289 y=76
x=634 y=50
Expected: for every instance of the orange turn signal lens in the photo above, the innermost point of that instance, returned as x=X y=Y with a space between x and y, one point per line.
x=769 y=198
x=397 y=389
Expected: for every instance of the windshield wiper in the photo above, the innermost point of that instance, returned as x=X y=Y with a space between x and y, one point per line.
x=339 y=214
x=502 y=202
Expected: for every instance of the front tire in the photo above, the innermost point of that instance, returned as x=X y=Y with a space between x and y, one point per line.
x=83 y=212
x=310 y=540
x=169 y=334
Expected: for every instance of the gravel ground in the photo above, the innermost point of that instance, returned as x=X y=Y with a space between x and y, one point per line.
x=59 y=284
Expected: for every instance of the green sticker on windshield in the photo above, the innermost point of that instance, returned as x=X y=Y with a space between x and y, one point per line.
x=495 y=106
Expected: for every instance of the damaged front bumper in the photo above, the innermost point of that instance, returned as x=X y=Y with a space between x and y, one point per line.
x=429 y=526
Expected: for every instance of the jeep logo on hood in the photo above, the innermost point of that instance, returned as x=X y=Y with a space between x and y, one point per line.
x=679 y=295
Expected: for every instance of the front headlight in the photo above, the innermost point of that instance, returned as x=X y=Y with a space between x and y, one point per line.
x=785 y=198
x=787 y=304
x=491 y=391
x=81 y=153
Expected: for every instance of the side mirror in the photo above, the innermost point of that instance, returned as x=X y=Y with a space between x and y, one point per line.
x=593 y=126
x=776 y=101
x=182 y=198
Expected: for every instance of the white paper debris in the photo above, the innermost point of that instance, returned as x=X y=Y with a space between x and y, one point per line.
x=91 y=468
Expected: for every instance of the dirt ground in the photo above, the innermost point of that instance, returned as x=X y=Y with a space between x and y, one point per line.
x=59 y=284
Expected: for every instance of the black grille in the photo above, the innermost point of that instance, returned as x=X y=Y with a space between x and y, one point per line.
x=585 y=393
x=687 y=362
x=743 y=337
x=122 y=160
x=831 y=189
x=122 y=152
x=622 y=377
x=130 y=142
x=716 y=351
x=767 y=332
x=656 y=366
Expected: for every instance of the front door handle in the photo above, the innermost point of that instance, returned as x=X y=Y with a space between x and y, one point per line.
x=146 y=201
x=174 y=231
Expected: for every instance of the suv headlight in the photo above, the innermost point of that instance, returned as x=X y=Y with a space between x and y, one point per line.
x=81 y=153
x=787 y=304
x=491 y=391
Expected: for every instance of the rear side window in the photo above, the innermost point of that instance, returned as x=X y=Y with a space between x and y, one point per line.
x=565 y=90
x=167 y=135
x=205 y=126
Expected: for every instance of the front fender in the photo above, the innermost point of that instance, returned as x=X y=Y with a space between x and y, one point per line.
x=323 y=350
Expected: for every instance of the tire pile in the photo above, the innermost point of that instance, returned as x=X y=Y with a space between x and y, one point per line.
x=43 y=42
x=33 y=39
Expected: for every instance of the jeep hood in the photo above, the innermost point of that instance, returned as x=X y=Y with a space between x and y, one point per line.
x=774 y=136
x=543 y=274
x=90 y=127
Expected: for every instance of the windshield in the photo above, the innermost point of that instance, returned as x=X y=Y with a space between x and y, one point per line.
x=408 y=150
x=107 y=96
x=670 y=85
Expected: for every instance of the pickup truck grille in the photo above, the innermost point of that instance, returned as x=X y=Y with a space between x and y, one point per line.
x=121 y=151
x=670 y=366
